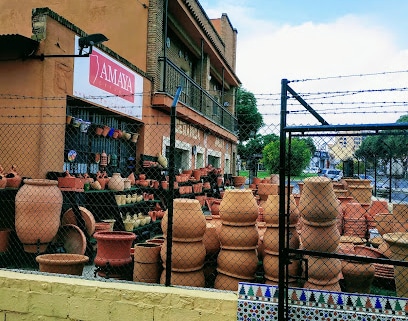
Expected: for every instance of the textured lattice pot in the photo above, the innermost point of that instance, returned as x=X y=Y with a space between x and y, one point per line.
x=38 y=210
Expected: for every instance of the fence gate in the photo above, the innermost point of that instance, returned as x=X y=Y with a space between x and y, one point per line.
x=352 y=217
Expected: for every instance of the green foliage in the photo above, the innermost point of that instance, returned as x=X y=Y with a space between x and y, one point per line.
x=255 y=145
x=298 y=160
x=249 y=118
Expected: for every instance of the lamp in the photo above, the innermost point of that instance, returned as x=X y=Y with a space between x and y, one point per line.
x=83 y=42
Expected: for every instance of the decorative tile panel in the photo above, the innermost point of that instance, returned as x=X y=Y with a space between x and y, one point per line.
x=257 y=302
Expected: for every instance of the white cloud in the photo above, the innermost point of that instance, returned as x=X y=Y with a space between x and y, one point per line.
x=350 y=45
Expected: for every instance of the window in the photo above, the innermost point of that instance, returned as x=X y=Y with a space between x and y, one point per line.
x=343 y=141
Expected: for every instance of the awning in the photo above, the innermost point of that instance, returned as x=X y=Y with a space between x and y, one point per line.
x=14 y=47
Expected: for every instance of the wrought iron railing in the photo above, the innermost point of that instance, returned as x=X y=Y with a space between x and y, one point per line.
x=195 y=97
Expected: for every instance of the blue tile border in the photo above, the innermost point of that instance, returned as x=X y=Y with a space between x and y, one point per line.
x=260 y=302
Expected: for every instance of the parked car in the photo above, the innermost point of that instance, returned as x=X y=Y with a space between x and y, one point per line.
x=333 y=174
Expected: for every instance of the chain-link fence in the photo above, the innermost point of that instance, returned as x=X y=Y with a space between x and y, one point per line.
x=116 y=195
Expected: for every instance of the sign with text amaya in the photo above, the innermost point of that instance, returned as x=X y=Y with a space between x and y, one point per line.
x=103 y=80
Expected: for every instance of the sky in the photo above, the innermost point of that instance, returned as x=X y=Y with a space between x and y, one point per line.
x=357 y=49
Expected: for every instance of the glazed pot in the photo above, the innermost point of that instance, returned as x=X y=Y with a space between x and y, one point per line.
x=113 y=248
x=242 y=263
x=242 y=237
x=184 y=256
x=38 y=208
x=116 y=182
x=62 y=263
x=318 y=202
x=238 y=207
x=188 y=220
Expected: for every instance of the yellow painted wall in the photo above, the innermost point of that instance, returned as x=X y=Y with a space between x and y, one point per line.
x=44 y=297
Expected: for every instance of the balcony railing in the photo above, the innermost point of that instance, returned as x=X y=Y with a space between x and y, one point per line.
x=195 y=97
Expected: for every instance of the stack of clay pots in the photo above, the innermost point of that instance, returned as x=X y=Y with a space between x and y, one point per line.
x=319 y=211
x=237 y=260
x=188 y=250
x=354 y=218
x=360 y=189
x=271 y=238
x=146 y=267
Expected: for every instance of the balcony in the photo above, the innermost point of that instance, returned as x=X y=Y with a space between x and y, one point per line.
x=195 y=97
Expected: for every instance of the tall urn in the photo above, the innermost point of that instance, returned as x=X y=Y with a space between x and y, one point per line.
x=38 y=210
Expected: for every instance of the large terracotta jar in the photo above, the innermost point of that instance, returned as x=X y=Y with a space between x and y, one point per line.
x=116 y=182
x=318 y=202
x=322 y=237
x=244 y=237
x=113 y=248
x=185 y=256
x=271 y=265
x=38 y=210
x=322 y=268
x=398 y=244
x=271 y=210
x=266 y=189
x=237 y=263
x=228 y=282
x=358 y=277
x=271 y=237
x=189 y=222
x=190 y=278
x=239 y=207
x=361 y=193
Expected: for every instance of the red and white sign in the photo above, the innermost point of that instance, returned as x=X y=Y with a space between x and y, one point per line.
x=105 y=81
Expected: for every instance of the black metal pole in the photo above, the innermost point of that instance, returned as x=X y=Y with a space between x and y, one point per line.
x=170 y=195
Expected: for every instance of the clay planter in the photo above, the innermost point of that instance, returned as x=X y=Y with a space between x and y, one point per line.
x=322 y=237
x=146 y=266
x=192 y=278
x=332 y=285
x=228 y=282
x=238 y=181
x=243 y=237
x=239 y=207
x=271 y=265
x=398 y=244
x=38 y=210
x=113 y=248
x=362 y=194
x=355 y=227
x=400 y=212
x=318 y=202
x=271 y=210
x=385 y=223
x=354 y=210
x=241 y=263
x=323 y=269
x=211 y=238
x=271 y=238
x=358 y=277
x=4 y=239
x=185 y=257
x=266 y=189
x=62 y=263
x=188 y=220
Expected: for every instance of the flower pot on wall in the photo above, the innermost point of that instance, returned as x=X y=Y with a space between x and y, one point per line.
x=38 y=210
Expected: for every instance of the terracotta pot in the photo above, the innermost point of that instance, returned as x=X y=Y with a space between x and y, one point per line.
x=238 y=181
x=197 y=174
x=242 y=237
x=323 y=269
x=398 y=244
x=116 y=182
x=191 y=278
x=147 y=253
x=62 y=263
x=105 y=131
x=211 y=237
x=358 y=277
x=332 y=285
x=38 y=207
x=102 y=226
x=271 y=265
x=266 y=189
x=271 y=210
x=354 y=210
x=323 y=237
x=376 y=207
x=239 y=207
x=228 y=282
x=400 y=212
x=271 y=238
x=355 y=227
x=214 y=206
x=146 y=266
x=13 y=182
x=4 y=239
x=98 y=131
x=362 y=194
x=3 y=181
x=184 y=256
x=188 y=220
x=385 y=223
x=241 y=263
x=318 y=202
x=256 y=180
x=113 y=248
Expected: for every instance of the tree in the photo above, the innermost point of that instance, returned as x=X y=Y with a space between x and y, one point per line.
x=255 y=145
x=298 y=160
x=249 y=118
